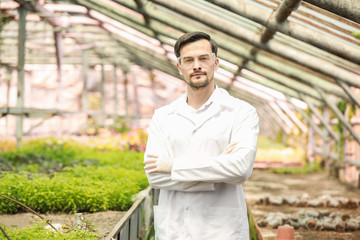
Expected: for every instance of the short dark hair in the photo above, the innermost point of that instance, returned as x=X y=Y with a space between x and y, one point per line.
x=193 y=37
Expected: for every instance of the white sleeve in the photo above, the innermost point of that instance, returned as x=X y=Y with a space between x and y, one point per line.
x=158 y=145
x=234 y=168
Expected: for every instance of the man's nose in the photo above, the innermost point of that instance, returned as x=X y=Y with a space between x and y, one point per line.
x=196 y=64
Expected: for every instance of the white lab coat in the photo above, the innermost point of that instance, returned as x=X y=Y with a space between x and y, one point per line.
x=202 y=198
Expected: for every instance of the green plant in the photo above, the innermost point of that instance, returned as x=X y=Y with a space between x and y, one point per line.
x=267 y=143
x=53 y=155
x=39 y=231
x=54 y=175
x=120 y=125
x=357 y=35
x=252 y=227
x=79 y=189
x=308 y=168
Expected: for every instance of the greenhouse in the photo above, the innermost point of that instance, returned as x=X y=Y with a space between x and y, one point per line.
x=80 y=81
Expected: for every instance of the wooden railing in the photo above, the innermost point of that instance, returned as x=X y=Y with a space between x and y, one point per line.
x=137 y=221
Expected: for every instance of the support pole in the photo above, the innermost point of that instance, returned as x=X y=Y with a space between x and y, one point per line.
x=116 y=102
x=85 y=71
x=102 y=92
x=84 y=96
x=136 y=95
x=59 y=54
x=311 y=145
x=21 y=72
x=126 y=95
x=325 y=142
x=8 y=83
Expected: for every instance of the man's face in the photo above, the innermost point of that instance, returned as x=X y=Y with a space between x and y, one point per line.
x=197 y=63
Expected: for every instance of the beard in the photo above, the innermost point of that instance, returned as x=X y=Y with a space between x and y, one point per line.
x=198 y=84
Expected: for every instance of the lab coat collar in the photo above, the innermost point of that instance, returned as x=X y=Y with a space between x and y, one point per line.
x=219 y=99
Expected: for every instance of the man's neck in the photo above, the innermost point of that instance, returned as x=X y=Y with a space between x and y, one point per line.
x=197 y=97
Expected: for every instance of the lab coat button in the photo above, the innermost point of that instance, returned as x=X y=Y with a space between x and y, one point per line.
x=187 y=209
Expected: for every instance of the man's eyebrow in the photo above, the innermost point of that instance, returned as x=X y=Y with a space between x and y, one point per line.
x=199 y=55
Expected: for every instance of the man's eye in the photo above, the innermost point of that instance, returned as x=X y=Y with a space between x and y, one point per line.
x=188 y=60
x=204 y=59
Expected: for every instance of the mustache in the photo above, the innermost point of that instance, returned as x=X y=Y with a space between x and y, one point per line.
x=197 y=72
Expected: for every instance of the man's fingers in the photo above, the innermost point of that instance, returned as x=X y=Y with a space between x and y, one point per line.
x=152 y=156
x=149 y=161
x=152 y=171
x=150 y=166
x=231 y=148
x=228 y=147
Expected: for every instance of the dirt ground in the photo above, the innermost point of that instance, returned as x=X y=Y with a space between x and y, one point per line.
x=264 y=184
x=103 y=222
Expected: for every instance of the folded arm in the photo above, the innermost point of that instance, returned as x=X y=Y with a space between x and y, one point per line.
x=233 y=166
x=160 y=176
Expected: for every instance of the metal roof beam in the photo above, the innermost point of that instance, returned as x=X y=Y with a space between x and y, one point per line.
x=307 y=118
x=339 y=115
x=278 y=17
x=248 y=52
x=322 y=120
x=238 y=48
x=291 y=88
x=298 y=31
x=349 y=92
x=346 y=8
x=155 y=27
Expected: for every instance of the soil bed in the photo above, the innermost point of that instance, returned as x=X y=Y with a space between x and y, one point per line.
x=264 y=184
x=103 y=222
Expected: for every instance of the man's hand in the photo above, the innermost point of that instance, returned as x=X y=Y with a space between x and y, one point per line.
x=157 y=164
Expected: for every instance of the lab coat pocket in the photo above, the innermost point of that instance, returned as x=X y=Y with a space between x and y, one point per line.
x=226 y=224
x=160 y=223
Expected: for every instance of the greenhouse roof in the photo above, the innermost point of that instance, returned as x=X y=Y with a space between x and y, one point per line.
x=280 y=56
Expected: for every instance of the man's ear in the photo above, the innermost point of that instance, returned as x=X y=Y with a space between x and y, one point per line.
x=216 y=64
x=179 y=69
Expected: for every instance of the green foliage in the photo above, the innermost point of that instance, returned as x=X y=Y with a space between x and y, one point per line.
x=129 y=159
x=38 y=231
x=267 y=143
x=120 y=126
x=41 y=155
x=50 y=155
x=252 y=227
x=51 y=175
x=308 y=168
x=342 y=105
x=357 y=35
x=279 y=137
x=79 y=189
x=272 y=151
x=7 y=145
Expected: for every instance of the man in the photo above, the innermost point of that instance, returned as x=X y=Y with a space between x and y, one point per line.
x=201 y=148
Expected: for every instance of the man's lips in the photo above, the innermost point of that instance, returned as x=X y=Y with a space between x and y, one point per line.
x=197 y=74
